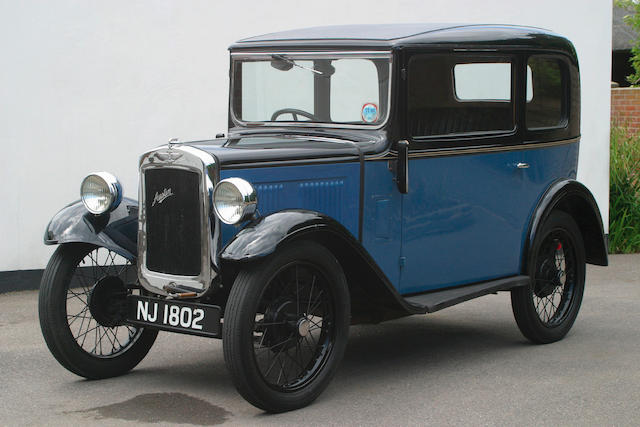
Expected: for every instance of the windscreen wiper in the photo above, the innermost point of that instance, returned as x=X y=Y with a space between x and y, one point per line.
x=291 y=63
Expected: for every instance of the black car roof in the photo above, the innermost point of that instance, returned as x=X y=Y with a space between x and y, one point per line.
x=353 y=32
x=388 y=36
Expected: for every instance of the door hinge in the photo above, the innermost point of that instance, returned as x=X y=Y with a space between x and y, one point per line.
x=403 y=261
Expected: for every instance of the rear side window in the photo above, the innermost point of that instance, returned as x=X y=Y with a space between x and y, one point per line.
x=458 y=95
x=483 y=81
x=545 y=93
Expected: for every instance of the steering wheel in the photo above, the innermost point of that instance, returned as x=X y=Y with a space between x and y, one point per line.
x=294 y=112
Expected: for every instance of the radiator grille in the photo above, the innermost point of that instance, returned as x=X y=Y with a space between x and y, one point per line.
x=173 y=221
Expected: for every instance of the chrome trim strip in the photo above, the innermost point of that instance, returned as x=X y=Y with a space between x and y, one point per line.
x=268 y=53
x=192 y=159
x=353 y=54
x=388 y=155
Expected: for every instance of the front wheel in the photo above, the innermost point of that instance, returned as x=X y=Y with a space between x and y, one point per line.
x=80 y=306
x=546 y=309
x=286 y=326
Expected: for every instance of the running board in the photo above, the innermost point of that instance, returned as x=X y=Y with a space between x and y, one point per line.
x=437 y=300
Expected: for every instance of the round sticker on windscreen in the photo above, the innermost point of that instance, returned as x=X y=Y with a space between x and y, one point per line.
x=369 y=112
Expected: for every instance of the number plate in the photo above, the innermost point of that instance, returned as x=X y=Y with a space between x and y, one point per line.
x=175 y=316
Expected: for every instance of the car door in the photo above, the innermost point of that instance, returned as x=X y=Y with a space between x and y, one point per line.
x=464 y=215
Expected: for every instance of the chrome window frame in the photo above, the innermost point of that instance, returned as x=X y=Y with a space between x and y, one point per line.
x=194 y=160
x=309 y=54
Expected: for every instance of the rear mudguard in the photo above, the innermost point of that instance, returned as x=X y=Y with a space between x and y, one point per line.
x=116 y=230
x=574 y=198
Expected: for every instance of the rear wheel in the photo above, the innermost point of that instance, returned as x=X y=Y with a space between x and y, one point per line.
x=546 y=309
x=81 y=306
x=286 y=326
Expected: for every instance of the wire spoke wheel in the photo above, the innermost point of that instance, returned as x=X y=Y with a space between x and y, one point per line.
x=82 y=308
x=293 y=328
x=91 y=336
x=546 y=310
x=554 y=279
x=286 y=325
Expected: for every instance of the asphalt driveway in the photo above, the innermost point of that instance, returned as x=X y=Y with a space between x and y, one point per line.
x=467 y=365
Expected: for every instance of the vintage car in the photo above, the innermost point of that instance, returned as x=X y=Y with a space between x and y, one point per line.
x=369 y=172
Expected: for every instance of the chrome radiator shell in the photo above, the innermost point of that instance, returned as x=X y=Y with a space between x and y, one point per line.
x=181 y=157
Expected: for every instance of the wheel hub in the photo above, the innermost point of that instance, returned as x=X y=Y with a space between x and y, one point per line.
x=548 y=279
x=303 y=327
x=280 y=321
x=107 y=301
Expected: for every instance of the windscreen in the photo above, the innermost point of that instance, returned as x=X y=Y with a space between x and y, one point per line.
x=298 y=89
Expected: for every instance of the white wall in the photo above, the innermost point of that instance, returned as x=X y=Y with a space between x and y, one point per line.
x=88 y=85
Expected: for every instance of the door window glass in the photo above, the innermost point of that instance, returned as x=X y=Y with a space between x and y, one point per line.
x=546 y=86
x=456 y=95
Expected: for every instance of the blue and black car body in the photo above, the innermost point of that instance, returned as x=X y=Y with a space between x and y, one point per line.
x=433 y=197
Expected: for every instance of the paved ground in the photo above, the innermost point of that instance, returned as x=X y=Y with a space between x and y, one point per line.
x=466 y=365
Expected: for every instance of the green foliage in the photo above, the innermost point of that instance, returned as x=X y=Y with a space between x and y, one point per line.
x=624 y=193
x=633 y=20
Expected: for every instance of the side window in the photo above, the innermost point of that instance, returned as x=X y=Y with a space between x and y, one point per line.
x=483 y=82
x=545 y=93
x=457 y=95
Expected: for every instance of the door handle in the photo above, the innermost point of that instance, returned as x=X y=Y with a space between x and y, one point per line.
x=522 y=165
x=402 y=171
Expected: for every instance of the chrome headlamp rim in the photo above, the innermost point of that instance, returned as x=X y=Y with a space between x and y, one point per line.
x=111 y=183
x=248 y=200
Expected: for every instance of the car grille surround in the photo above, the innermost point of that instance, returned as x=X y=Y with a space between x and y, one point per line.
x=178 y=236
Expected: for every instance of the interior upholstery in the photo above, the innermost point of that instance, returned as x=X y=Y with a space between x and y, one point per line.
x=443 y=121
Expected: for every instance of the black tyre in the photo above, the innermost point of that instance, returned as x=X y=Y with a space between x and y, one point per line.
x=82 y=282
x=286 y=327
x=546 y=309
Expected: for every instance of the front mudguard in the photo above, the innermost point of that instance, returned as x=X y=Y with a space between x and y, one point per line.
x=261 y=237
x=116 y=230
x=373 y=296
